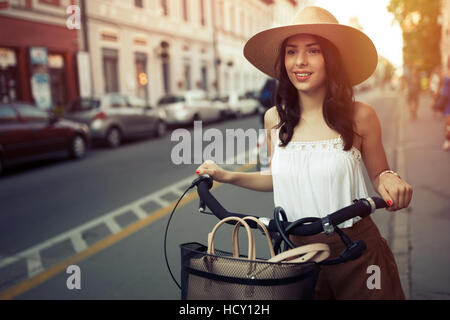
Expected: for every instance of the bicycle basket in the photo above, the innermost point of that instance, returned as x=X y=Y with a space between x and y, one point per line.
x=219 y=276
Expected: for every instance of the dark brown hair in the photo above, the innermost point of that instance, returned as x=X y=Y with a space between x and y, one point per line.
x=338 y=105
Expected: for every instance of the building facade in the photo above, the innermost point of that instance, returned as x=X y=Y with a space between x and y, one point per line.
x=37 y=52
x=150 y=48
x=445 y=36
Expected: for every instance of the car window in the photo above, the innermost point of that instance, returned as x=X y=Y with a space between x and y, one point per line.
x=170 y=99
x=114 y=101
x=136 y=102
x=195 y=96
x=80 y=105
x=32 y=114
x=7 y=115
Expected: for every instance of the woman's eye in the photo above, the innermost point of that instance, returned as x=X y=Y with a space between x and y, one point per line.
x=290 y=52
x=314 y=51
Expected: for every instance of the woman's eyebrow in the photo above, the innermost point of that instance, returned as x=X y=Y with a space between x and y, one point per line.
x=307 y=45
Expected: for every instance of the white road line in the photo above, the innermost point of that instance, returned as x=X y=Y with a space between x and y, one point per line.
x=34 y=264
x=78 y=242
x=139 y=212
x=161 y=202
x=112 y=225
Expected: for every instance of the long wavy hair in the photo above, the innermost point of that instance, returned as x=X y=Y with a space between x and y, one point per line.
x=338 y=105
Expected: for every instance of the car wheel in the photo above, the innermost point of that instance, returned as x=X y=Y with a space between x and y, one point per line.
x=113 y=137
x=77 y=147
x=161 y=128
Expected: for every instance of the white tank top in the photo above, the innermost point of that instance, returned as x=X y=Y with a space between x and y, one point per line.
x=314 y=179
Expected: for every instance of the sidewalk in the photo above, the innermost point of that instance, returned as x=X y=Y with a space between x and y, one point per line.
x=421 y=237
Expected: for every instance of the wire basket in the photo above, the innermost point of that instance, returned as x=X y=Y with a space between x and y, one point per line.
x=222 y=277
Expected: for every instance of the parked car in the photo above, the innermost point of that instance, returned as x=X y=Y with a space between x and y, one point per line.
x=242 y=105
x=114 y=117
x=221 y=103
x=28 y=133
x=187 y=107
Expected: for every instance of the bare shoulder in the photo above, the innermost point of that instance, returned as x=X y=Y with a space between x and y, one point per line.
x=271 y=118
x=365 y=117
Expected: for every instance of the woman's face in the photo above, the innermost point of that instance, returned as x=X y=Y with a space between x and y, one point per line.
x=304 y=62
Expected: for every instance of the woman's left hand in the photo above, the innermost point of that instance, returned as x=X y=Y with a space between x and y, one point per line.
x=395 y=191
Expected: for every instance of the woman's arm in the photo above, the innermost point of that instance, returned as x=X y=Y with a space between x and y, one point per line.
x=389 y=186
x=258 y=181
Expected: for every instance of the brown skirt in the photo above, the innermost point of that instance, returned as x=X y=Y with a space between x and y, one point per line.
x=357 y=279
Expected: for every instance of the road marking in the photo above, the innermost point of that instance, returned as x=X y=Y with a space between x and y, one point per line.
x=112 y=225
x=140 y=213
x=37 y=274
x=78 y=242
x=34 y=264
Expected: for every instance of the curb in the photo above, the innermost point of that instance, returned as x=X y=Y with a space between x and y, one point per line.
x=400 y=238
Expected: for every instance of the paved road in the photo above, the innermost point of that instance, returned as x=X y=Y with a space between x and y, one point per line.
x=118 y=189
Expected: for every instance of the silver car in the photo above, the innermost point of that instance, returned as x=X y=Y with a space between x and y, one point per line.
x=242 y=105
x=185 y=108
x=114 y=117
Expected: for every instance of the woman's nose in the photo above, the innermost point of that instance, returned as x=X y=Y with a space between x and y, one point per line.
x=302 y=60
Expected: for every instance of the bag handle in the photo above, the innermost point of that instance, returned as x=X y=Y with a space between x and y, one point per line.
x=315 y=251
x=264 y=230
x=251 y=241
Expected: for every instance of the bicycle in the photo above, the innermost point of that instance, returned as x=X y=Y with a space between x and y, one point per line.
x=302 y=227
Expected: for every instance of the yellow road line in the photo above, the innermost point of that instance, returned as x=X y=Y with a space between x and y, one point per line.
x=49 y=273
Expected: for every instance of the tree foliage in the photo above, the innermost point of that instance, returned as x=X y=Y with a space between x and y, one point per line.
x=421 y=32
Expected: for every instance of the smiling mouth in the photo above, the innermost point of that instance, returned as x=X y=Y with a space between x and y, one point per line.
x=302 y=76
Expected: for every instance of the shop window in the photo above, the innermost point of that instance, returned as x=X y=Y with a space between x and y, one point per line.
x=202 y=13
x=9 y=76
x=164 y=7
x=187 y=75
x=57 y=80
x=142 y=77
x=204 y=72
x=185 y=10
x=166 y=76
x=110 y=70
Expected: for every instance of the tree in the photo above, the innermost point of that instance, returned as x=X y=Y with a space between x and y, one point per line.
x=421 y=32
x=388 y=70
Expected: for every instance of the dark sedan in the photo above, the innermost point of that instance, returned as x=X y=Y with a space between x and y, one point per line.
x=28 y=133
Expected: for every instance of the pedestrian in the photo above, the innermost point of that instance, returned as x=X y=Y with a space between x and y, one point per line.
x=413 y=87
x=441 y=102
x=266 y=97
x=435 y=85
x=317 y=137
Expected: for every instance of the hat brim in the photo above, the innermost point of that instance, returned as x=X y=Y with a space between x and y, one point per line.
x=358 y=53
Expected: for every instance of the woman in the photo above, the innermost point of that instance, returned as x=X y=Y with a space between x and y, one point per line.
x=318 y=136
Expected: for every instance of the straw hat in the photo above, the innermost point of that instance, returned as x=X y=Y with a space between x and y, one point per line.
x=358 y=53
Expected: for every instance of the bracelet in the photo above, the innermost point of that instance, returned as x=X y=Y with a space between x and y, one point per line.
x=389 y=171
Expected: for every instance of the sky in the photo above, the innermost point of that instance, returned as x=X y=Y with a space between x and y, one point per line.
x=376 y=22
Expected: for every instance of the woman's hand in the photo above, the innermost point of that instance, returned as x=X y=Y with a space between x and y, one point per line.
x=395 y=191
x=217 y=173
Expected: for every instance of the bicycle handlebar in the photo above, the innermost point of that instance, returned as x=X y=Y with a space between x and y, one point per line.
x=360 y=207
